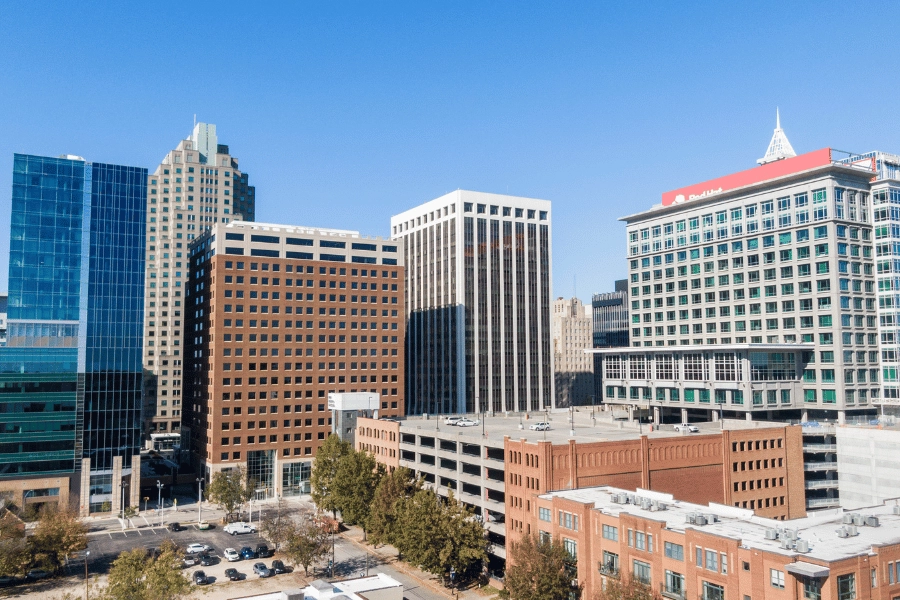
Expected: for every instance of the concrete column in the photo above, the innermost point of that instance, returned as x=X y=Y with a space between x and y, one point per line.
x=842 y=417
x=684 y=415
x=135 y=489
x=656 y=415
x=84 y=503
x=116 y=485
x=715 y=416
x=804 y=415
x=748 y=415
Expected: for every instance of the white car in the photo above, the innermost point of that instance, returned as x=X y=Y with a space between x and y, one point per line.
x=687 y=427
x=239 y=527
x=543 y=426
x=452 y=420
x=197 y=549
x=231 y=555
x=466 y=423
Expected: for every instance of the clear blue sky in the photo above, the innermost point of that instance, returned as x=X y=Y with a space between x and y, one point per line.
x=345 y=114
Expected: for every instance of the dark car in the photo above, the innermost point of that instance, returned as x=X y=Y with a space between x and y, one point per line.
x=232 y=574
x=279 y=568
x=207 y=560
x=35 y=574
x=200 y=578
x=175 y=527
x=248 y=553
x=262 y=551
x=153 y=553
x=262 y=570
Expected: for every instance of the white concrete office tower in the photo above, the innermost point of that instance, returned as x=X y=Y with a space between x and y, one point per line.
x=197 y=185
x=754 y=293
x=478 y=303
x=571 y=326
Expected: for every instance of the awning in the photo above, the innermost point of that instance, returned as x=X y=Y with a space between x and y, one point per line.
x=807 y=569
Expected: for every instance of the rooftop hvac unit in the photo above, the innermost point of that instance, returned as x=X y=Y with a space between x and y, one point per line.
x=872 y=521
x=700 y=520
x=771 y=533
x=790 y=534
x=630 y=497
x=843 y=532
x=618 y=498
x=847 y=519
x=897 y=509
x=787 y=543
x=802 y=546
x=645 y=503
x=858 y=520
x=662 y=506
x=852 y=530
x=689 y=518
x=711 y=518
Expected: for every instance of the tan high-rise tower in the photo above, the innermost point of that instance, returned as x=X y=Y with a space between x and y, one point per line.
x=197 y=185
x=571 y=327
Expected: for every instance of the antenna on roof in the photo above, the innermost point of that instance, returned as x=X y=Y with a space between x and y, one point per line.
x=779 y=147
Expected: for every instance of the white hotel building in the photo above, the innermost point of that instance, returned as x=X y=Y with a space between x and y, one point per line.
x=755 y=293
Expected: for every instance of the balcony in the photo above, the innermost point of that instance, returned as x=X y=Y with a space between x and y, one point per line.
x=671 y=592
x=821 y=484
x=610 y=570
x=820 y=466
x=823 y=502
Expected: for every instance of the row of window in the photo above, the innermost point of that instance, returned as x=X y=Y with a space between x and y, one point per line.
x=736 y=397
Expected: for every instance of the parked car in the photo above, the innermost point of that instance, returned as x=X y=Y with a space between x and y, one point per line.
x=542 y=426
x=203 y=525
x=452 y=420
x=279 y=568
x=239 y=527
x=687 y=427
x=175 y=527
x=232 y=574
x=248 y=553
x=35 y=574
x=200 y=578
x=188 y=561
x=466 y=423
x=231 y=555
x=262 y=551
x=197 y=549
x=262 y=570
x=207 y=560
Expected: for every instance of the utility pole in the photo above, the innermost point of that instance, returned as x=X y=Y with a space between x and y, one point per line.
x=86 y=586
x=159 y=487
x=200 y=481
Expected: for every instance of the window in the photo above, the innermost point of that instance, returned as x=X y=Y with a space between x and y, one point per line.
x=610 y=533
x=675 y=551
x=812 y=588
x=674 y=584
x=544 y=514
x=712 y=560
x=641 y=572
x=846 y=585
x=712 y=591
x=776 y=577
x=571 y=548
x=610 y=564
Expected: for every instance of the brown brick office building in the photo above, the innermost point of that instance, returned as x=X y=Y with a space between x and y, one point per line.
x=277 y=317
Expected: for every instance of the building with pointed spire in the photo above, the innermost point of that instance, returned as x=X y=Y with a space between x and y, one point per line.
x=779 y=148
x=197 y=185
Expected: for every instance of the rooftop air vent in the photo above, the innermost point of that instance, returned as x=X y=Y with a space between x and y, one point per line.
x=896 y=508
x=700 y=520
x=852 y=530
x=771 y=533
x=802 y=546
x=858 y=520
x=847 y=519
x=872 y=521
x=843 y=532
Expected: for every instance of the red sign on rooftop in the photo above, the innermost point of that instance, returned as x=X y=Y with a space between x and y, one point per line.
x=772 y=170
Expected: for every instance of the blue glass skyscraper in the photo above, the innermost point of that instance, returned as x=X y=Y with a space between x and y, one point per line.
x=70 y=377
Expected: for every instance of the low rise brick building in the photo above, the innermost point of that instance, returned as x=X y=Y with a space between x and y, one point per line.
x=278 y=317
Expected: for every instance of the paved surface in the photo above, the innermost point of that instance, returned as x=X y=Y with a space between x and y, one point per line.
x=107 y=539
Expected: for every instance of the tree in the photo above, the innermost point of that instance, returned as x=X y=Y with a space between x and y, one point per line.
x=58 y=534
x=439 y=536
x=134 y=576
x=626 y=588
x=229 y=489
x=355 y=479
x=306 y=541
x=538 y=570
x=277 y=524
x=383 y=515
x=14 y=555
x=324 y=469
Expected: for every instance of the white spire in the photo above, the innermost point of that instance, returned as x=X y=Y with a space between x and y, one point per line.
x=779 y=147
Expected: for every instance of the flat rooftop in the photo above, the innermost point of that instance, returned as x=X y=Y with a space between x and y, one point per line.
x=818 y=528
x=587 y=429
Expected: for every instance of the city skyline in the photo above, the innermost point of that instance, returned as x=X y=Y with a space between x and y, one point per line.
x=365 y=113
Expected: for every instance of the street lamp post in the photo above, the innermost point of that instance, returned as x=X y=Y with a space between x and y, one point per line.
x=200 y=481
x=159 y=487
x=86 y=587
x=124 y=486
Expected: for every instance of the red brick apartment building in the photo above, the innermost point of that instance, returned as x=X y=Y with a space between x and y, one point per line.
x=279 y=317
x=717 y=552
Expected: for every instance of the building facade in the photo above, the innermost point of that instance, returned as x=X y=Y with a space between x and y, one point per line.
x=278 y=317
x=478 y=303
x=197 y=185
x=3 y=313
x=571 y=326
x=754 y=292
x=610 y=314
x=72 y=366
x=715 y=552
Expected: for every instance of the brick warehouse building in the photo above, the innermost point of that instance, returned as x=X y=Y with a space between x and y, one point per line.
x=716 y=552
x=258 y=373
x=500 y=472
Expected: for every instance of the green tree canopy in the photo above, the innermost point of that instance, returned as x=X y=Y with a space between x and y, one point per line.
x=58 y=534
x=355 y=480
x=135 y=576
x=229 y=489
x=306 y=540
x=538 y=570
x=14 y=555
x=324 y=469
x=626 y=588
x=383 y=515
